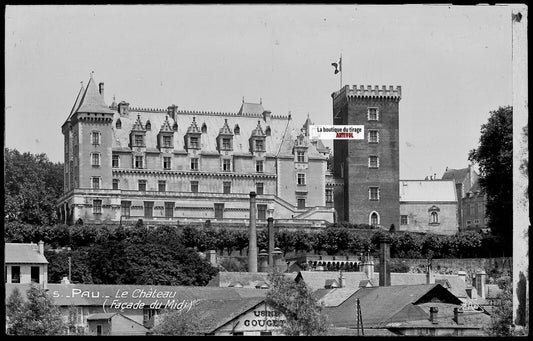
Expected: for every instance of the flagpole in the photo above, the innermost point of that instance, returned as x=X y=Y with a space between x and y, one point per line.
x=340 y=66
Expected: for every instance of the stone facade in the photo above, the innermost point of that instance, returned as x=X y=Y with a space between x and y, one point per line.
x=125 y=164
x=370 y=191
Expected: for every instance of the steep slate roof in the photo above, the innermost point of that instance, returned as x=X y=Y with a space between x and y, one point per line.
x=247 y=279
x=427 y=190
x=215 y=314
x=92 y=101
x=251 y=108
x=317 y=279
x=23 y=253
x=459 y=175
x=77 y=102
x=281 y=141
x=383 y=305
x=333 y=297
x=99 y=293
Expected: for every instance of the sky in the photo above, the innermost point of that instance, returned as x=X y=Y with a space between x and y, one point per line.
x=454 y=64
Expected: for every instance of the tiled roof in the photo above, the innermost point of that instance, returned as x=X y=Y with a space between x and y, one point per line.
x=281 y=139
x=333 y=297
x=246 y=279
x=92 y=101
x=251 y=108
x=70 y=294
x=317 y=279
x=382 y=305
x=459 y=175
x=23 y=253
x=100 y=316
x=427 y=190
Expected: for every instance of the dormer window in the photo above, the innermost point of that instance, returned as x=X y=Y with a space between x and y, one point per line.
x=259 y=145
x=226 y=143
x=137 y=134
x=148 y=125
x=267 y=131
x=204 y=128
x=225 y=137
x=167 y=141
x=118 y=124
x=175 y=127
x=300 y=156
x=138 y=140
x=257 y=139
x=194 y=142
x=237 y=130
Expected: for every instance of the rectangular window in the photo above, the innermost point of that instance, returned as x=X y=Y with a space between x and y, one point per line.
x=139 y=140
x=259 y=166
x=169 y=209
x=95 y=159
x=194 y=186
x=167 y=141
x=142 y=185
x=300 y=156
x=194 y=142
x=227 y=187
x=15 y=274
x=194 y=164
x=35 y=274
x=148 y=209
x=115 y=183
x=115 y=162
x=373 y=114
x=95 y=182
x=162 y=186
x=373 y=193
x=373 y=136
x=125 y=207
x=95 y=138
x=139 y=162
x=259 y=188
x=226 y=143
x=404 y=220
x=301 y=204
x=226 y=165
x=261 y=212
x=219 y=211
x=97 y=206
x=301 y=179
x=167 y=162
x=259 y=145
x=329 y=195
x=373 y=161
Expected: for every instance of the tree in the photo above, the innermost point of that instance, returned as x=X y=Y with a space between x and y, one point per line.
x=37 y=316
x=178 y=322
x=297 y=303
x=502 y=316
x=32 y=185
x=284 y=239
x=494 y=157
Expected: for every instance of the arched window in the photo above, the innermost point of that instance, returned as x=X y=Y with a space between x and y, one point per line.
x=374 y=218
x=434 y=218
x=204 y=128
x=148 y=125
x=237 y=130
x=118 y=125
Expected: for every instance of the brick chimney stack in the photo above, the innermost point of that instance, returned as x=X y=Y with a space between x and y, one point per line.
x=384 y=265
x=41 y=247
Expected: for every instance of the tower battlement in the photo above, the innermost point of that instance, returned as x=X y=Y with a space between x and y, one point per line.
x=369 y=91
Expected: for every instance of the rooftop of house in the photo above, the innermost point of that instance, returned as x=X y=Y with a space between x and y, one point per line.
x=21 y=253
x=427 y=190
x=459 y=175
x=383 y=305
x=244 y=279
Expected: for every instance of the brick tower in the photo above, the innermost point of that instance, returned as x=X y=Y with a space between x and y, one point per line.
x=368 y=168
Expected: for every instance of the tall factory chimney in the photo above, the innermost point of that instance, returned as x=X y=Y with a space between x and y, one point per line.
x=384 y=266
x=252 y=237
x=270 y=226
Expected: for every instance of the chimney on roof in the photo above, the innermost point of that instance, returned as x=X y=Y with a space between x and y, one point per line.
x=433 y=314
x=368 y=267
x=101 y=89
x=384 y=265
x=41 y=247
x=430 y=275
x=123 y=108
x=457 y=312
x=65 y=280
x=252 y=236
x=342 y=283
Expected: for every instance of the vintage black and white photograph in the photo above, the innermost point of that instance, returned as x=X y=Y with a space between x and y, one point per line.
x=266 y=170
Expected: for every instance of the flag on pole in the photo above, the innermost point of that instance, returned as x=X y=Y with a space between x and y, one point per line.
x=338 y=66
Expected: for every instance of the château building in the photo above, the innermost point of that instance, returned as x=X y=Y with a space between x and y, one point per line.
x=162 y=165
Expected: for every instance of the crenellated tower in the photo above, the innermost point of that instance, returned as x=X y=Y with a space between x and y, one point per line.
x=369 y=168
